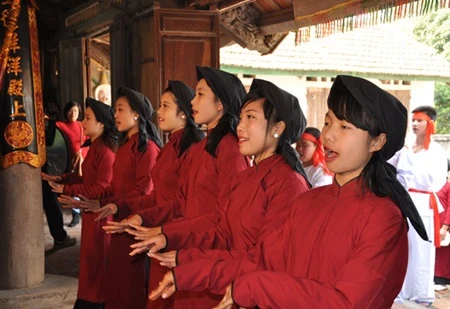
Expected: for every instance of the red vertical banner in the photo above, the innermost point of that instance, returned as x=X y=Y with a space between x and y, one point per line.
x=22 y=138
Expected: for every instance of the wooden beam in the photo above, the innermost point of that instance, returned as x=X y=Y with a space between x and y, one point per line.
x=276 y=22
x=228 y=5
x=203 y=2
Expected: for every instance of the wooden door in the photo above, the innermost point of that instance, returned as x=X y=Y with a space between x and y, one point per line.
x=72 y=72
x=185 y=39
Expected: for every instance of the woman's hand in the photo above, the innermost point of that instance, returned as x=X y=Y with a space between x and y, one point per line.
x=152 y=244
x=56 y=187
x=443 y=232
x=113 y=227
x=142 y=233
x=105 y=211
x=165 y=289
x=89 y=205
x=68 y=202
x=48 y=177
x=168 y=259
x=227 y=301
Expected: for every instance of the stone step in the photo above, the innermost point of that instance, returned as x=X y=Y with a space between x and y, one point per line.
x=55 y=292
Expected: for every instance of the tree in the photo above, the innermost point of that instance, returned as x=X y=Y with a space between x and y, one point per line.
x=434 y=30
x=442 y=102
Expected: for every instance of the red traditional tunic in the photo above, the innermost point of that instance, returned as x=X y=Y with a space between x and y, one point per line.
x=97 y=174
x=125 y=277
x=73 y=131
x=204 y=181
x=259 y=201
x=442 y=267
x=165 y=176
x=338 y=249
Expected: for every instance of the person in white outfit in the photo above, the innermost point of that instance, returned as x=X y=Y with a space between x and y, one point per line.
x=422 y=169
x=310 y=149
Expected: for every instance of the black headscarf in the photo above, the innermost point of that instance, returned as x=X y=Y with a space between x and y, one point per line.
x=184 y=95
x=104 y=114
x=391 y=118
x=142 y=105
x=288 y=109
x=229 y=89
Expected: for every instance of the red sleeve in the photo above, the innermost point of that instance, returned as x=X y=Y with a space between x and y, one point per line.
x=144 y=185
x=444 y=198
x=278 y=209
x=214 y=270
x=145 y=201
x=229 y=162
x=71 y=178
x=104 y=162
x=280 y=204
x=357 y=285
x=217 y=237
x=172 y=209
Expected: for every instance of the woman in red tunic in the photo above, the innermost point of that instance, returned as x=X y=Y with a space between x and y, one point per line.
x=99 y=126
x=73 y=131
x=175 y=118
x=344 y=245
x=442 y=267
x=259 y=198
x=210 y=166
x=125 y=283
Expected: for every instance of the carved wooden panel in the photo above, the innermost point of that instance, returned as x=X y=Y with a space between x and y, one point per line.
x=185 y=39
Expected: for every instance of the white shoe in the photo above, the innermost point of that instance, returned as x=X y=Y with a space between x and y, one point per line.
x=438 y=287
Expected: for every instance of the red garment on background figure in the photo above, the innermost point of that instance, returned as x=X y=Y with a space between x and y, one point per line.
x=97 y=174
x=125 y=277
x=165 y=176
x=338 y=249
x=442 y=266
x=73 y=131
x=204 y=180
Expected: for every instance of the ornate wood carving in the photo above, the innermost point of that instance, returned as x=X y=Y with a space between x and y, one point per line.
x=240 y=24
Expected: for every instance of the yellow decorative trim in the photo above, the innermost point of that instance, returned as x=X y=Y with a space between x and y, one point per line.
x=354 y=14
x=37 y=87
x=10 y=29
x=18 y=134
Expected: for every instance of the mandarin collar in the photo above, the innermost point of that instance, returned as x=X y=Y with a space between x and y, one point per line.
x=269 y=162
x=350 y=188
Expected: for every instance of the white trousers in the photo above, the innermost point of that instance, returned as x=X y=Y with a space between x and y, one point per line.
x=418 y=284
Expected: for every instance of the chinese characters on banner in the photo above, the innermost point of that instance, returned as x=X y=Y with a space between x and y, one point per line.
x=22 y=130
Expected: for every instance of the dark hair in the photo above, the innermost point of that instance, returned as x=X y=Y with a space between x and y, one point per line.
x=345 y=107
x=110 y=135
x=143 y=133
x=429 y=110
x=192 y=133
x=270 y=113
x=313 y=131
x=69 y=105
x=227 y=124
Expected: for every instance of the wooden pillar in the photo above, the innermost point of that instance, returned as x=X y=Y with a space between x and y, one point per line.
x=21 y=227
x=22 y=149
